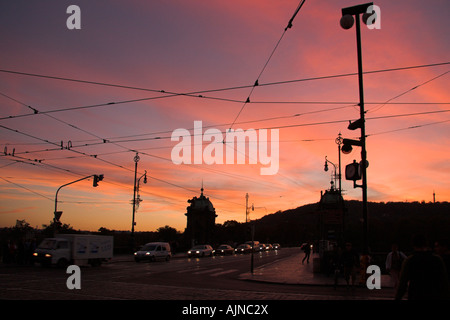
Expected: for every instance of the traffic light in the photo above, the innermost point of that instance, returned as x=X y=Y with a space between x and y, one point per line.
x=97 y=178
x=353 y=171
x=355 y=124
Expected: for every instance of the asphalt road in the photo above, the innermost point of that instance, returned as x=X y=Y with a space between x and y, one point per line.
x=208 y=278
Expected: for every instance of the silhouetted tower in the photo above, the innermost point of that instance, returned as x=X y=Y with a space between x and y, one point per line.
x=201 y=220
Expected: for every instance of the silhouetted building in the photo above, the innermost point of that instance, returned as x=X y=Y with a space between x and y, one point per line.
x=201 y=220
x=332 y=212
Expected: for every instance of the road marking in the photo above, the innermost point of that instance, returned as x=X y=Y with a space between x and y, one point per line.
x=208 y=271
x=188 y=270
x=223 y=272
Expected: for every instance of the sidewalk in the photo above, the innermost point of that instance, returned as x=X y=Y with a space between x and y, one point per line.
x=291 y=271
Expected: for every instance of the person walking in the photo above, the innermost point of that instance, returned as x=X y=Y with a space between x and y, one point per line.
x=441 y=247
x=394 y=261
x=423 y=274
x=350 y=262
x=307 y=251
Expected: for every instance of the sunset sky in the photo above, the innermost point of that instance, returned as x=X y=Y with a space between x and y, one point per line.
x=150 y=50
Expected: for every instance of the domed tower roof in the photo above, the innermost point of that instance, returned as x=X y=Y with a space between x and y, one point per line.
x=201 y=203
x=201 y=220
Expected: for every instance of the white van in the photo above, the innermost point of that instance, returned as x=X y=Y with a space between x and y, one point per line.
x=153 y=251
x=79 y=249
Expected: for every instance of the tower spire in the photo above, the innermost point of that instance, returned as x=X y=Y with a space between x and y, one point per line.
x=202 y=189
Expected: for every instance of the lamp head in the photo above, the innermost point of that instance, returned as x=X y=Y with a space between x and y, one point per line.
x=366 y=16
x=346 y=148
x=347 y=21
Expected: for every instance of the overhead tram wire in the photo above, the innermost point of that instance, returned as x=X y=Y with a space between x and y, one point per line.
x=405 y=92
x=85 y=131
x=268 y=60
x=195 y=94
x=28 y=189
x=93 y=156
x=115 y=141
x=191 y=94
x=267 y=127
x=408 y=128
x=106 y=161
x=224 y=199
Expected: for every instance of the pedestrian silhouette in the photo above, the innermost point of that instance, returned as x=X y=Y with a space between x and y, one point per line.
x=394 y=261
x=441 y=247
x=350 y=262
x=307 y=250
x=423 y=274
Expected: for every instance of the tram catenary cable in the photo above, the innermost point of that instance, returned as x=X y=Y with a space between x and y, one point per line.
x=194 y=93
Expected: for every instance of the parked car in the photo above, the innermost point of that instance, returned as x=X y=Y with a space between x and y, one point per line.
x=153 y=251
x=255 y=245
x=276 y=246
x=224 y=249
x=269 y=246
x=262 y=247
x=243 y=248
x=200 y=251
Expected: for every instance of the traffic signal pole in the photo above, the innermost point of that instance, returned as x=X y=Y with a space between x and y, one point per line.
x=57 y=214
x=346 y=23
x=363 y=136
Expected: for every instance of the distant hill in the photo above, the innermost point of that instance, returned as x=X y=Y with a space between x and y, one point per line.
x=387 y=223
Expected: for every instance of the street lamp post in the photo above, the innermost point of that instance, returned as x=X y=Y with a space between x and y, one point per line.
x=346 y=23
x=136 y=160
x=339 y=142
x=337 y=169
x=335 y=175
x=135 y=190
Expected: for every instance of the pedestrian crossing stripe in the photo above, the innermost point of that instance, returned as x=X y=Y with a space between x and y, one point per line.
x=208 y=271
x=223 y=272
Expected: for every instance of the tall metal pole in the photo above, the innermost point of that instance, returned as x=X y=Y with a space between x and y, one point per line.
x=363 y=135
x=339 y=142
x=136 y=160
x=246 y=207
x=56 y=201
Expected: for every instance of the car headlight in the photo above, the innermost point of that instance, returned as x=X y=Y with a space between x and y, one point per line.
x=197 y=251
x=189 y=252
x=135 y=253
x=147 y=253
x=48 y=255
x=35 y=254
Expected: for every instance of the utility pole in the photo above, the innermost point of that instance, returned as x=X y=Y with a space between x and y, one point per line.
x=339 y=142
x=346 y=22
x=135 y=200
x=136 y=160
x=246 y=207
